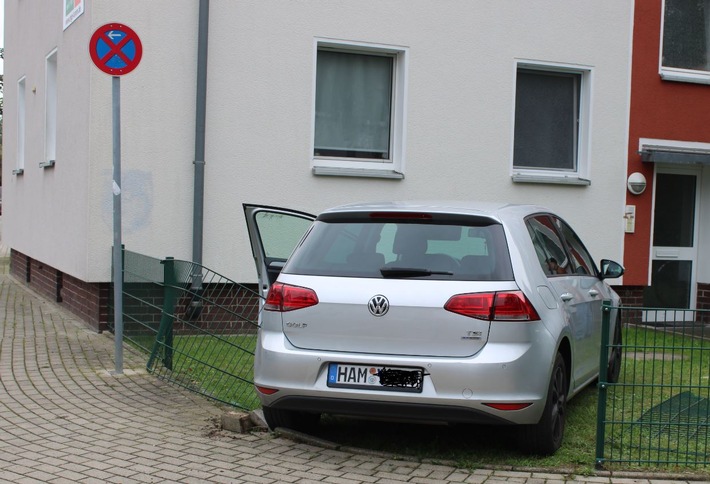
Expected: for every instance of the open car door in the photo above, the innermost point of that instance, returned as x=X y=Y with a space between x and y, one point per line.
x=273 y=232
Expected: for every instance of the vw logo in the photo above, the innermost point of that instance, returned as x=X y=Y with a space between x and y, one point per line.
x=378 y=305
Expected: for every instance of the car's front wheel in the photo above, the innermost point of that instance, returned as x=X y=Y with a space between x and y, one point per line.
x=545 y=437
x=292 y=419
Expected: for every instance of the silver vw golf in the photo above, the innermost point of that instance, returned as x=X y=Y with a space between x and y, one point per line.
x=455 y=312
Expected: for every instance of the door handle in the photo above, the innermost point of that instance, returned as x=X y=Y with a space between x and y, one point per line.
x=593 y=292
x=566 y=296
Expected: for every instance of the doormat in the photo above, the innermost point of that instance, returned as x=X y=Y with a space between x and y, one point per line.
x=683 y=417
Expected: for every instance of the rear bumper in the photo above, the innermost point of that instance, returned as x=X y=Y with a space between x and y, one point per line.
x=388 y=410
x=454 y=389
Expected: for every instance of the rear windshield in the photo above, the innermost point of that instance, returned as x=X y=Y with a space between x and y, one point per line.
x=403 y=249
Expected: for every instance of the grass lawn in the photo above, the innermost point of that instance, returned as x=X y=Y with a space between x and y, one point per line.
x=677 y=362
x=222 y=369
x=472 y=446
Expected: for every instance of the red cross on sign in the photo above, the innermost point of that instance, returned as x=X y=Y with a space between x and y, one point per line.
x=115 y=49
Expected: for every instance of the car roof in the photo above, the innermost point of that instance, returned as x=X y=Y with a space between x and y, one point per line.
x=498 y=210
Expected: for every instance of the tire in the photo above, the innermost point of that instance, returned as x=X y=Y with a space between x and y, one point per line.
x=614 y=368
x=291 y=419
x=545 y=437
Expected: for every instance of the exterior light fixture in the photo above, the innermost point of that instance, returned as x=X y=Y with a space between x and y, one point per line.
x=636 y=183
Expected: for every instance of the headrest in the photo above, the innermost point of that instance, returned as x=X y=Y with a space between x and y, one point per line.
x=408 y=240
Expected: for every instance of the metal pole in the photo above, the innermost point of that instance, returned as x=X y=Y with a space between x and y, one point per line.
x=164 y=337
x=117 y=252
x=603 y=384
x=195 y=308
x=200 y=127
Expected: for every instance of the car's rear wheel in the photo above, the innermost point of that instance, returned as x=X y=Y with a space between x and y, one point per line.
x=545 y=437
x=614 y=369
x=292 y=419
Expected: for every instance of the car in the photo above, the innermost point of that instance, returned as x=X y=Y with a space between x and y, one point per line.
x=457 y=312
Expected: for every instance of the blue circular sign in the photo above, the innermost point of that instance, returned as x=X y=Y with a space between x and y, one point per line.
x=115 y=49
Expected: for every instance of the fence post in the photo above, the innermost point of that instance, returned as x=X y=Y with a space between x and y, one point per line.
x=165 y=330
x=602 y=384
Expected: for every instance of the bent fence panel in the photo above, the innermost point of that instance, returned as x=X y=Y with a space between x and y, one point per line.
x=197 y=327
x=659 y=410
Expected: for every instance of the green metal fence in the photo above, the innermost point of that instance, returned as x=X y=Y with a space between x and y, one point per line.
x=197 y=327
x=658 y=412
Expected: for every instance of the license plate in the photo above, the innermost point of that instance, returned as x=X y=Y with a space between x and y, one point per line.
x=366 y=377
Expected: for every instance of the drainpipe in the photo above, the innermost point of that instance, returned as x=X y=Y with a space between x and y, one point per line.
x=199 y=188
x=200 y=109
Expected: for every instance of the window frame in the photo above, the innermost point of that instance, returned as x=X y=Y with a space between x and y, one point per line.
x=393 y=167
x=50 y=107
x=679 y=74
x=21 y=125
x=580 y=175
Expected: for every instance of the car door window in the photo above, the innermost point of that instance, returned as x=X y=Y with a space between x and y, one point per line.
x=280 y=233
x=273 y=233
x=548 y=245
x=581 y=261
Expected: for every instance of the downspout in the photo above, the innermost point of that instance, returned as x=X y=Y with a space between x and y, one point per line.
x=200 y=114
x=199 y=189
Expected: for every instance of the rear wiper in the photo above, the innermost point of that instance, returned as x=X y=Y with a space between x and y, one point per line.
x=411 y=272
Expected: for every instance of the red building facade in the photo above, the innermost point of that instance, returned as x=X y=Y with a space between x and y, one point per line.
x=667 y=222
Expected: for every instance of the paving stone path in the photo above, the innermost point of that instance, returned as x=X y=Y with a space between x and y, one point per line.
x=65 y=417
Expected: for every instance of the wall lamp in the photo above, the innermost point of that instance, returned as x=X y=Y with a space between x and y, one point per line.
x=636 y=183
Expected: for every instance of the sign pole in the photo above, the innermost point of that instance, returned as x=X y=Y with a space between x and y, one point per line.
x=116 y=50
x=117 y=246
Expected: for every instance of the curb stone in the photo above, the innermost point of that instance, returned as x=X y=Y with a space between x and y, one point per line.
x=567 y=473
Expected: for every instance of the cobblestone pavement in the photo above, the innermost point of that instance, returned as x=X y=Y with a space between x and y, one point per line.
x=65 y=417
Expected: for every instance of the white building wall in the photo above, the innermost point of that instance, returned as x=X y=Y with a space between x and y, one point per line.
x=45 y=210
x=459 y=119
x=157 y=135
x=704 y=226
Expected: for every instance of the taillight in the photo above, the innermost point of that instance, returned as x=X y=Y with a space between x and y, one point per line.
x=508 y=406
x=284 y=297
x=265 y=390
x=493 y=306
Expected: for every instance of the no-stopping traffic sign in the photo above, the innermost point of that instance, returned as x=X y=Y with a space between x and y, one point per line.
x=115 y=49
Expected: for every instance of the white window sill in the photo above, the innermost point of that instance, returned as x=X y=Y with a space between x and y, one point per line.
x=682 y=75
x=553 y=179
x=357 y=172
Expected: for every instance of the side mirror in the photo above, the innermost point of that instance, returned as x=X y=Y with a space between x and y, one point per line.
x=610 y=269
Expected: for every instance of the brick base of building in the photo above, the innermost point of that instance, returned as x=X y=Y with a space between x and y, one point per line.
x=630 y=296
x=633 y=296
x=88 y=301
x=704 y=301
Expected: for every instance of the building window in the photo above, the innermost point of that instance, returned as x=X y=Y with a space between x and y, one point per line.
x=359 y=110
x=353 y=105
x=20 y=164
x=549 y=143
x=686 y=40
x=51 y=109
